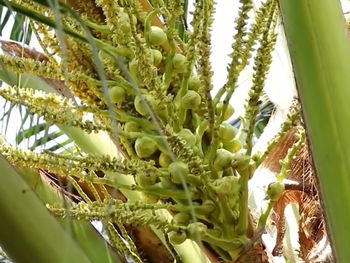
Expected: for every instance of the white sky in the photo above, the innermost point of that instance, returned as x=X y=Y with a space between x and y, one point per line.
x=280 y=72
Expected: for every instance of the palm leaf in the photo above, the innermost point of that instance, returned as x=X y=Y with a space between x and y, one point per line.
x=21 y=31
x=32 y=133
x=320 y=54
x=5 y=19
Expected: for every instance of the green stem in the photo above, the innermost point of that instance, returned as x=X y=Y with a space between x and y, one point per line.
x=263 y=218
x=243 y=203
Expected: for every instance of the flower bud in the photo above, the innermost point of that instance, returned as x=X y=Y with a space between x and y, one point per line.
x=194 y=83
x=116 y=94
x=145 y=147
x=206 y=208
x=178 y=171
x=227 y=132
x=233 y=146
x=149 y=198
x=188 y=136
x=181 y=218
x=191 y=100
x=146 y=180
x=275 y=190
x=124 y=22
x=157 y=56
x=196 y=230
x=131 y=126
x=222 y=160
x=241 y=162
x=156 y=36
x=179 y=62
x=164 y=160
x=228 y=185
x=227 y=114
x=140 y=104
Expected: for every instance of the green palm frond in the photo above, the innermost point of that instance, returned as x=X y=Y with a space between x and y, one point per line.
x=4 y=15
x=21 y=31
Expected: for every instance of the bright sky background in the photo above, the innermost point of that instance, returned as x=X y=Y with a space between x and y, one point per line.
x=280 y=82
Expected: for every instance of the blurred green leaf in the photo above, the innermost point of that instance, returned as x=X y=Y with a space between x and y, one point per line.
x=4 y=21
x=21 y=31
x=320 y=52
x=28 y=232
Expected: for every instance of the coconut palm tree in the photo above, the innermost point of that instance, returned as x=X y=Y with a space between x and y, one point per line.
x=120 y=126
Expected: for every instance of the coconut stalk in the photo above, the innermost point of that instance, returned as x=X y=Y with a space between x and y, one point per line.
x=320 y=53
